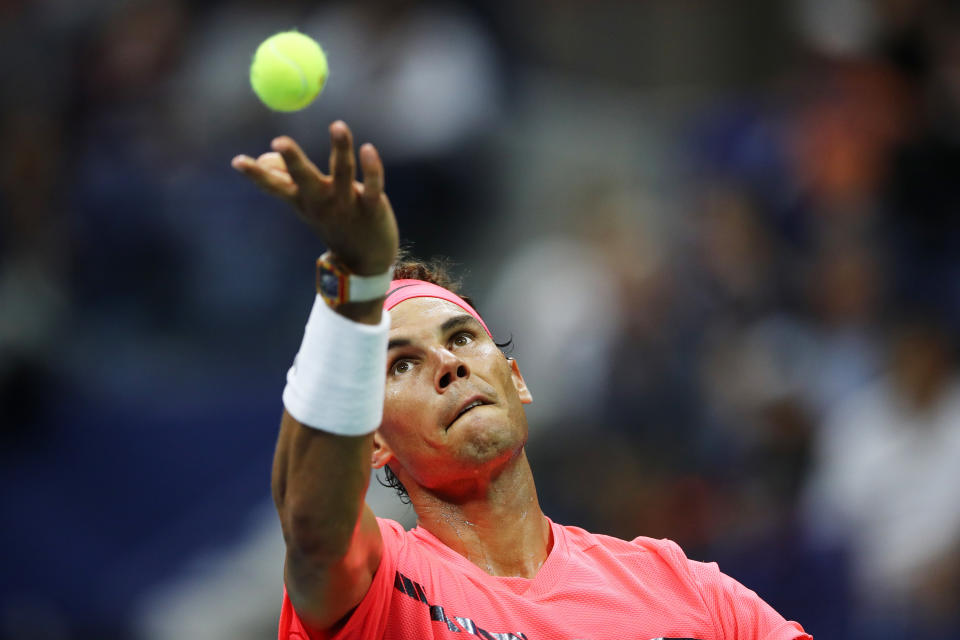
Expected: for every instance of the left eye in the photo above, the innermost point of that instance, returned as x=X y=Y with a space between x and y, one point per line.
x=462 y=339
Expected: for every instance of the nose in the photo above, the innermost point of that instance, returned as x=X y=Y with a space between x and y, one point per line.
x=449 y=369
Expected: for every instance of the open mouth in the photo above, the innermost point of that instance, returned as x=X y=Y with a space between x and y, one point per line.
x=473 y=404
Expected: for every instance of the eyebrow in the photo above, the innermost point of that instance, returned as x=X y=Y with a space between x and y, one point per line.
x=458 y=322
x=455 y=322
x=398 y=342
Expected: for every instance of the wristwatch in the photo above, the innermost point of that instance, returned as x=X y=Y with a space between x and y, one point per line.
x=336 y=285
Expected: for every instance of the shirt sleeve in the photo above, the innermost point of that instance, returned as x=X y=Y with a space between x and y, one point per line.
x=739 y=612
x=369 y=619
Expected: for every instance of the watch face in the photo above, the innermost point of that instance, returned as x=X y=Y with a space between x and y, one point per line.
x=329 y=284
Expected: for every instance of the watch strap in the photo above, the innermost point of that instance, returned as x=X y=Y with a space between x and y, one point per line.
x=363 y=288
x=337 y=285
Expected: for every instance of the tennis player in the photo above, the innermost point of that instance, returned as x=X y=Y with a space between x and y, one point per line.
x=398 y=371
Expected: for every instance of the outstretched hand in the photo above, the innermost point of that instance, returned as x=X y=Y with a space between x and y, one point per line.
x=354 y=219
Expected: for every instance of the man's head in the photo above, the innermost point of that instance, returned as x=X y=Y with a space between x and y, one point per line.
x=453 y=409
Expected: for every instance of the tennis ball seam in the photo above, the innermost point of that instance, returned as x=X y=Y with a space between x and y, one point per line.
x=293 y=63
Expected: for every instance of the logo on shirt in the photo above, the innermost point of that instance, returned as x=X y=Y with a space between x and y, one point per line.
x=405 y=585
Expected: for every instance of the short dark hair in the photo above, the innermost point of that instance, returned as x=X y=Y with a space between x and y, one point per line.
x=391 y=481
x=435 y=271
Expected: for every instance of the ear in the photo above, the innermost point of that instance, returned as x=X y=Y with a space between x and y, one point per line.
x=519 y=383
x=382 y=454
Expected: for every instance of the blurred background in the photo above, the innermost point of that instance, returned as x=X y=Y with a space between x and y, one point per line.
x=723 y=237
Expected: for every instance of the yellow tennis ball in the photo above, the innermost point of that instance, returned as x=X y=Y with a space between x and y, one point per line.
x=288 y=71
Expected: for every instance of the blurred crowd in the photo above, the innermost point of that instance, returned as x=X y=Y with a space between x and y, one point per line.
x=723 y=238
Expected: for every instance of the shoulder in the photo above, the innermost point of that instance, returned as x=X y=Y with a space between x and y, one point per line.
x=652 y=550
x=662 y=569
x=369 y=618
x=413 y=551
x=392 y=531
x=641 y=563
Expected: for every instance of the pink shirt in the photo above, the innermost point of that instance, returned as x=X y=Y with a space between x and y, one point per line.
x=590 y=587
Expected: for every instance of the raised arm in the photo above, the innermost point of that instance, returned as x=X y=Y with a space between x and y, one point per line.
x=320 y=478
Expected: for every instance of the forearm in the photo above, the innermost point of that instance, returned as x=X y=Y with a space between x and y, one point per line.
x=319 y=482
x=333 y=401
x=332 y=538
x=321 y=469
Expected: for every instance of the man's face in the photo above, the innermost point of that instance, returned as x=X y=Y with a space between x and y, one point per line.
x=453 y=409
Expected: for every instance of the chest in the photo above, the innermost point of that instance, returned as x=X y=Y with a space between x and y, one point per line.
x=582 y=604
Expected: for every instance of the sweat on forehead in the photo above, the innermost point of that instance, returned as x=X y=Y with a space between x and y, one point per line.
x=401 y=290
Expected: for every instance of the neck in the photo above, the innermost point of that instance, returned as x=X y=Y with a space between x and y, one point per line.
x=499 y=527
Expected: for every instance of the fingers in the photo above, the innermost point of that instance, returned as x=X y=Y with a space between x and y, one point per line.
x=372 y=175
x=342 y=162
x=268 y=173
x=287 y=171
x=241 y=162
x=273 y=161
x=301 y=170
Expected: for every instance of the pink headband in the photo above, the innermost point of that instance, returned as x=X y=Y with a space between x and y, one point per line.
x=401 y=290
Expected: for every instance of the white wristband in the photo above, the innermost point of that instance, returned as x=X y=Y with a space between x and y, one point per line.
x=337 y=380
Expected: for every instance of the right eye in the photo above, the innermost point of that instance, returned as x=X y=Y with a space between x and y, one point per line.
x=400 y=367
